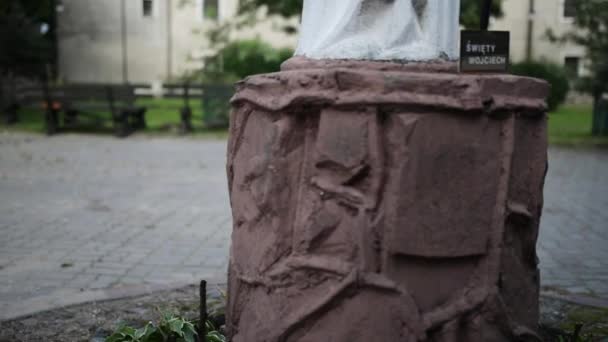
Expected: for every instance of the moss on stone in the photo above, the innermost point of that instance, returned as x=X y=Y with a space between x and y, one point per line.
x=593 y=320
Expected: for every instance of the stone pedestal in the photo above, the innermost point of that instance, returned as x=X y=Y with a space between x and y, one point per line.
x=385 y=202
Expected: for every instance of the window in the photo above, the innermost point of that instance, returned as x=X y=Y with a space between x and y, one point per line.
x=210 y=9
x=572 y=65
x=147 y=7
x=569 y=8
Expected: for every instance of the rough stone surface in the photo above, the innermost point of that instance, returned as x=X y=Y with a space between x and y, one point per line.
x=385 y=205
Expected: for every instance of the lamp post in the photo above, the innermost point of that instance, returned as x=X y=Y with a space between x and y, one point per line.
x=53 y=32
x=485 y=14
x=379 y=200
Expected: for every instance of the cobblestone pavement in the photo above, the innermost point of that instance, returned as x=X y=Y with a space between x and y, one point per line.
x=86 y=213
x=573 y=241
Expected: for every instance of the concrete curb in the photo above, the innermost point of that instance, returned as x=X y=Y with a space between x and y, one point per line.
x=65 y=298
x=583 y=300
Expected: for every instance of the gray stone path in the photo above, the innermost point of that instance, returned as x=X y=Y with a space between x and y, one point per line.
x=82 y=214
x=573 y=242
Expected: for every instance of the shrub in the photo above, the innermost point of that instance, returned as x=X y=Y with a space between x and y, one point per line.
x=250 y=57
x=550 y=72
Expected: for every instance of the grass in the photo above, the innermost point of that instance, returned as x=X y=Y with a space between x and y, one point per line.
x=570 y=125
x=162 y=117
x=594 y=321
x=163 y=113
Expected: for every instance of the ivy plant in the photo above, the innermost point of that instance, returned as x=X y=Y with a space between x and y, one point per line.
x=171 y=328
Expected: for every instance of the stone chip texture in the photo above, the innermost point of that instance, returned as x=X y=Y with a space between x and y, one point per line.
x=385 y=204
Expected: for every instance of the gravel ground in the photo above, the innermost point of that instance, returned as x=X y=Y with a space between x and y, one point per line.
x=94 y=321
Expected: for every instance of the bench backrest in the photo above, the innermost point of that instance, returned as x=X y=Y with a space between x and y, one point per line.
x=169 y=90
x=80 y=95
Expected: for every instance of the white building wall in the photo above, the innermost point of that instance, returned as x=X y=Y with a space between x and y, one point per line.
x=89 y=41
x=169 y=43
x=160 y=47
x=548 y=15
x=146 y=41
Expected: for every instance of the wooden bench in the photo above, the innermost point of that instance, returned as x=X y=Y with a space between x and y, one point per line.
x=215 y=100
x=64 y=105
x=183 y=91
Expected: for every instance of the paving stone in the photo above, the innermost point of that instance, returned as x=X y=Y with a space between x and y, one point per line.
x=143 y=211
x=103 y=281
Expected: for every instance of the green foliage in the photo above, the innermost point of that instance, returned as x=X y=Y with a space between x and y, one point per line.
x=213 y=335
x=25 y=50
x=585 y=323
x=552 y=73
x=129 y=334
x=285 y=8
x=577 y=335
x=243 y=58
x=250 y=57
x=470 y=9
x=170 y=328
x=470 y=12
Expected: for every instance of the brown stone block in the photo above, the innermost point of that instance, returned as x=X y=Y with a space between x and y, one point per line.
x=385 y=202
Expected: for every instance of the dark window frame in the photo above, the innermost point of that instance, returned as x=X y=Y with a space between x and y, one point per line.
x=147 y=7
x=572 y=65
x=569 y=10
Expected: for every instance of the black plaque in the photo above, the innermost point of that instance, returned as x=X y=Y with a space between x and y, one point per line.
x=484 y=51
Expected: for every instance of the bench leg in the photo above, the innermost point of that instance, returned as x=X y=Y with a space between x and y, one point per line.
x=11 y=114
x=140 y=118
x=70 y=117
x=186 y=120
x=51 y=119
x=121 y=124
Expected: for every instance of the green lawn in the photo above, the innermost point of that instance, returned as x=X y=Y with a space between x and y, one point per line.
x=164 y=113
x=162 y=117
x=570 y=125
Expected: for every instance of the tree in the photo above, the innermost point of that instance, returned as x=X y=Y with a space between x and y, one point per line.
x=469 y=9
x=26 y=49
x=591 y=21
x=470 y=12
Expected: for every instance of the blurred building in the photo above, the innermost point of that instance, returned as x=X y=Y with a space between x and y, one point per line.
x=529 y=20
x=115 y=41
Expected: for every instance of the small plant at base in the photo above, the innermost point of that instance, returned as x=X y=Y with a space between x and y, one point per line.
x=213 y=335
x=171 y=328
x=576 y=336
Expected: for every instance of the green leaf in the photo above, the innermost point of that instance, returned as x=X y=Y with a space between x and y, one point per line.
x=215 y=336
x=144 y=333
x=209 y=326
x=116 y=337
x=176 y=325
x=189 y=336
